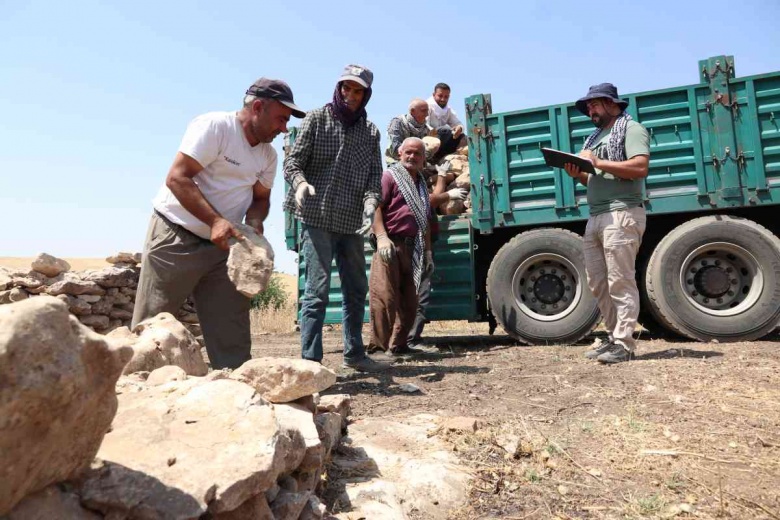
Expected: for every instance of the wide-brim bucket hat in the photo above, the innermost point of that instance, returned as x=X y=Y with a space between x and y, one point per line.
x=602 y=90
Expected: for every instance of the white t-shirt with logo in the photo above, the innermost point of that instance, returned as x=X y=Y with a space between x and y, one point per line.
x=230 y=169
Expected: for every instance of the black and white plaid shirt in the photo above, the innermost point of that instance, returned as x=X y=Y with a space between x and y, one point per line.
x=343 y=165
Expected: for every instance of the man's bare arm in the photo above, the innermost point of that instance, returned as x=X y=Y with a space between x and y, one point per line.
x=180 y=182
x=261 y=205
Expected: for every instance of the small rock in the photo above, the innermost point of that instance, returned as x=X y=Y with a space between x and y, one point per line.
x=251 y=262
x=409 y=388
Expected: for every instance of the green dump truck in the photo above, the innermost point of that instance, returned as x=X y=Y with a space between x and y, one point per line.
x=709 y=265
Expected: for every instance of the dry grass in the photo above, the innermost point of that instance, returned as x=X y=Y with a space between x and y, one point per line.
x=273 y=321
x=281 y=320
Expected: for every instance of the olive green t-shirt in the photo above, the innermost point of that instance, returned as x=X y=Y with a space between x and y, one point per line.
x=609 y=193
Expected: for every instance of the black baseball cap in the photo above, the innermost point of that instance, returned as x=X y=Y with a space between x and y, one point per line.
x=278 y=90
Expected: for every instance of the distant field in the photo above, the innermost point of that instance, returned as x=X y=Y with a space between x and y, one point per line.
x=76 y=264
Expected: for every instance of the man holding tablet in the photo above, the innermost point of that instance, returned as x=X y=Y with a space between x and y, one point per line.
x=619 y=150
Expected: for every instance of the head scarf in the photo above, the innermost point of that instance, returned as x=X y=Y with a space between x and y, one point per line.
x=340 y=110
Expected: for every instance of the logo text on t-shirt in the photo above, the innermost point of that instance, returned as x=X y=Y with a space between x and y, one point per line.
x=231 y=161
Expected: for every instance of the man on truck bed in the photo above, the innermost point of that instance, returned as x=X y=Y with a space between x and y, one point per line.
x=619 y=149
x=444 y=122
x=411 y=124
x=335 y=170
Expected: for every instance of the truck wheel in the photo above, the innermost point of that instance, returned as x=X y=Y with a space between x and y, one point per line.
x=647 y=317
x=716 y=277
x=537 y=289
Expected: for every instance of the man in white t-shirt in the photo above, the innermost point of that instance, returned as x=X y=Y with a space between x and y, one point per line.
x=222 y=174
x=444 y=122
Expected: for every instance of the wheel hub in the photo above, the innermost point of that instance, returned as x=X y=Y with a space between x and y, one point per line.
x=718 y=278
x=549 y=289
x=712 y=282
x=546 y=287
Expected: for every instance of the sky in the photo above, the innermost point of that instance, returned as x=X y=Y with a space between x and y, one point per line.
x=95 y=95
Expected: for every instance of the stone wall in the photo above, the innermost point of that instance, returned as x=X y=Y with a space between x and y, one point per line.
x=101 y=299
x=182 y=443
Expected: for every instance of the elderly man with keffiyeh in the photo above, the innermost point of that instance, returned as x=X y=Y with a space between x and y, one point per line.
x=619 y=149
x=403 y=250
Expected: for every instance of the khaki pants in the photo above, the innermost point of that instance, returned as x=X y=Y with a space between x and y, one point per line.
x=392 y=297
x=177 y=263
x=611 y=244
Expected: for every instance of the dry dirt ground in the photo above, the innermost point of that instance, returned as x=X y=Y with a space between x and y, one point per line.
x=687 y=430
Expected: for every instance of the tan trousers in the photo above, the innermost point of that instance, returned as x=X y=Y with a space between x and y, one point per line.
x=177 y=263
x=392 y=298
x=611 y=244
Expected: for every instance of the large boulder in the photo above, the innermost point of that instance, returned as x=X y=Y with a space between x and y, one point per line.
x=113 y=276
x=281 y=380
x=188 y=448
x=49 y=265
x=161 y=341
x=74 y=287
x=57 y=397
x=250 y=262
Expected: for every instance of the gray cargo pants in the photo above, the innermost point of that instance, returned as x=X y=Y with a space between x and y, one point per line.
x=612 y=241
x=177 y=263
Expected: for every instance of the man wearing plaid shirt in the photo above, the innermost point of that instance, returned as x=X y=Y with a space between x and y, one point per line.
x=335 y=169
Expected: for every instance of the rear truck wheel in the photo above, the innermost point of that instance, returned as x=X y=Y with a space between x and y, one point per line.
x=537 y=289
x=647 y=317
x=716 y=277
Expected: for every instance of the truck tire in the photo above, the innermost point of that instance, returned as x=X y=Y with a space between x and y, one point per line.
x=716 y=277
x=537 y=288
x=656 y=328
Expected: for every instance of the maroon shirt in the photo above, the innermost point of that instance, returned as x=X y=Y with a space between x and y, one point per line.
x=398 y=218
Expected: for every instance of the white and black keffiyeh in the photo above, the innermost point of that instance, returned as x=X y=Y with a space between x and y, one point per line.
x=416 y=198
x=616 y=145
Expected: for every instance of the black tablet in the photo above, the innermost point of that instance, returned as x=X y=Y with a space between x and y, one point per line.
x=557 y=159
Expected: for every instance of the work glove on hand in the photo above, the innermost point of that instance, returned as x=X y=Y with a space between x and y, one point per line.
x=457 y=193
x=304 y=190
x=385 y=247
x=443 y=169
x=369 y=208
x=428 y=263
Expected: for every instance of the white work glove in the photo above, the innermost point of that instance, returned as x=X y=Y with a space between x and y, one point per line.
x=457 y=193
x=304 y=190
x=369 y=208
x=385 y=247
x=443 y=169
x=428 y=264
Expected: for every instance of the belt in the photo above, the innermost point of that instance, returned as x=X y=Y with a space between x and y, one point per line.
x=177 y=228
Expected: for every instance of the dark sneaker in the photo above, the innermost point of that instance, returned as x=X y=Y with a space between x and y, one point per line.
x=367 y=365
x=599 y=347
x=617 y=353
x=403 y=351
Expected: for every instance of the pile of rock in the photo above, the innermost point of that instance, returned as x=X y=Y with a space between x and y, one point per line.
x=81 y=442
x=101 y=299
x=458 y=176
